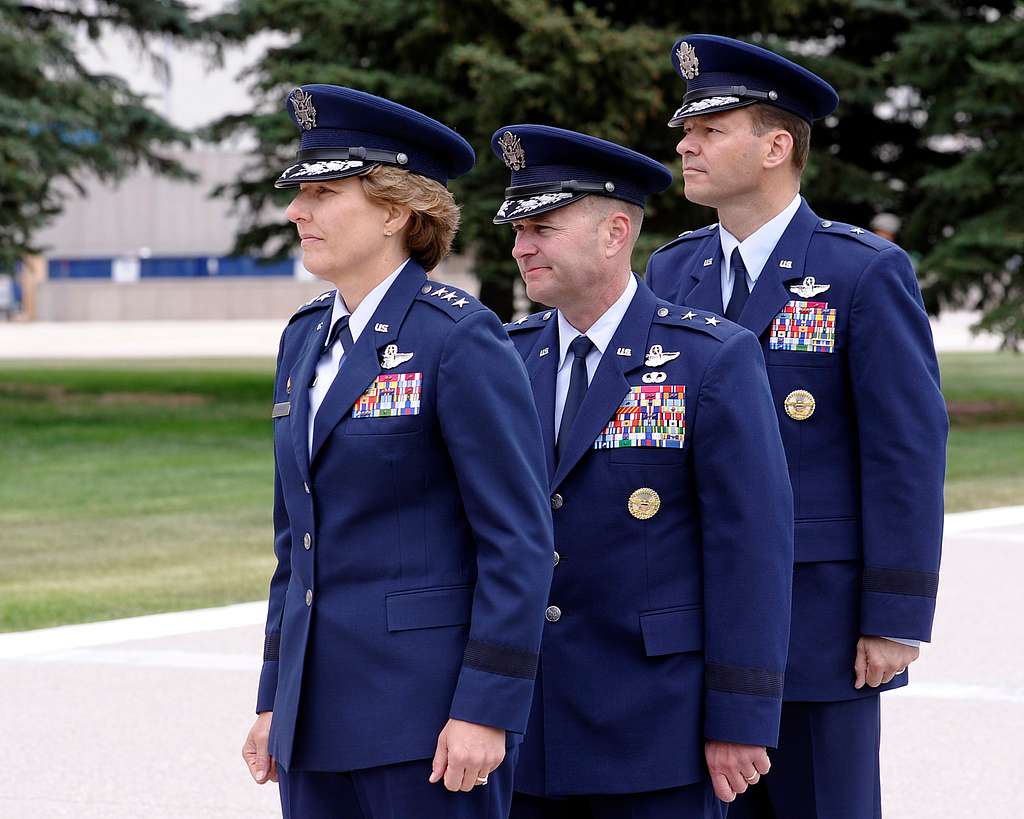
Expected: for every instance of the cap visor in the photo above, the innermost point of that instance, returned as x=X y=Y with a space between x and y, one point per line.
x=708 y=105
x=322 y=171
x=513 y=209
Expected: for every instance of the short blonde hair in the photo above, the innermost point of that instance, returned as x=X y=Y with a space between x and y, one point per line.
x=765 y=118
x=434 y=220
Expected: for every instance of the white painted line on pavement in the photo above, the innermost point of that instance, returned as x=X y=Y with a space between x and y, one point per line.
x=154 y=658
x=960 y=522
x=151 y=626
x=963 y=692
x=86 y=635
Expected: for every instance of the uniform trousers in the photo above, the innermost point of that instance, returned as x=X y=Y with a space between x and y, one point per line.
x=398 y=791
x=690 y=802
x=826 y=765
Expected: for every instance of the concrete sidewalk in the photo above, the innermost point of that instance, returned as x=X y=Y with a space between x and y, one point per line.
x=144 y=718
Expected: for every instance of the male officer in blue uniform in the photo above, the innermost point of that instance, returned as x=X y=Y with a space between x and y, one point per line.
x=413 y=527
x=660 y=678
x=856 y=386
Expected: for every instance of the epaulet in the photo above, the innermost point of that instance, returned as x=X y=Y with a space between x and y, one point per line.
x=453 y=302
x=858 y=234
x=687 y=235
x=699 y=320
x=317 y=303
x=534 y=321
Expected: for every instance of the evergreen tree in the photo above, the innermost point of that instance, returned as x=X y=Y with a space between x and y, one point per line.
x=59 y=121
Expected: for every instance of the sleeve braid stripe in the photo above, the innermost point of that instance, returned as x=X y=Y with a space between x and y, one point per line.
x=754 y=681
x=497 y=659
x=272 y=647
x=901 y=581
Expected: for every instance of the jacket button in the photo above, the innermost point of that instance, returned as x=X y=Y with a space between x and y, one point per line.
x=307 y=541
x=309 y=597
x=556 y=501
x=553 y=614
x=305 y=486
x=557 y=558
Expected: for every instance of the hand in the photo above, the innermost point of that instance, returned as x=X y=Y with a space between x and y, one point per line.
x=879 y=660
x=734 y=767
x=261 y=764
x=466 y=752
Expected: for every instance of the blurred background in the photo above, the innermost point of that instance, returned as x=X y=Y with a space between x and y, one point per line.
x=146 y=271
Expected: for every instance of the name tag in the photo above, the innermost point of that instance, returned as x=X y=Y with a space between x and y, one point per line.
x=804 y=327
x=648 y=416
x=281 y=410
x=390 y=395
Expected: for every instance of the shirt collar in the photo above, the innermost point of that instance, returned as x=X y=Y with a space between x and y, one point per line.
x=760 y=244
x=602 y=330
x=367 y=307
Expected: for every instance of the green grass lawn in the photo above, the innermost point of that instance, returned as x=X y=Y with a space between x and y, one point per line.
x=132 y=488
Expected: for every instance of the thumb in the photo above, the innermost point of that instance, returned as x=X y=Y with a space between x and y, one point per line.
x=440 y=763
x=860 y=666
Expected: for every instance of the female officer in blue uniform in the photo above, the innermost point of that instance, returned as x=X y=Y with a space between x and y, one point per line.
x=412 y=523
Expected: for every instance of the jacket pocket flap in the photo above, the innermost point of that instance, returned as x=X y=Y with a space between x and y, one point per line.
x=673 y=631
x=429 y=608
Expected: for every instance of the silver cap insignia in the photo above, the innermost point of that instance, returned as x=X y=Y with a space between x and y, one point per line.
x=688 y=62
x=512 y=151
x=305 y=113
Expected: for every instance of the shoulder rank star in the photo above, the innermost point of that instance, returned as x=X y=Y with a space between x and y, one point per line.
x=392 y=358
x=657 y=357
x=714 y=322
x=689 y=314
x=808 y=288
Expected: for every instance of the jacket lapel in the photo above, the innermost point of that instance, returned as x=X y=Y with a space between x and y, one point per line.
x=301 y=376
x=362 y=364
x=543 y=372
x=706 y=276
x=771 y=294
x=609 y=385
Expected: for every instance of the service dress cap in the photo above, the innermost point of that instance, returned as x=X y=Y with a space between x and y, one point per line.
x=722 y=74
x=552 y=168
x=345 y=132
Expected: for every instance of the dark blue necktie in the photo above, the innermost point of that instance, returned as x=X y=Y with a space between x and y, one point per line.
x=580 y=347
x=739 y=287
x=340 y=330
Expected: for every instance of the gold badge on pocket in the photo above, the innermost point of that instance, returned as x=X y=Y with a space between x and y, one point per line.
x=644 y=503
x=799 y=405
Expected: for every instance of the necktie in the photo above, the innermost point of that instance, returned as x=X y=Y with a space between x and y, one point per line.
x=739 y=287
x=339 y=330
x=580 y=347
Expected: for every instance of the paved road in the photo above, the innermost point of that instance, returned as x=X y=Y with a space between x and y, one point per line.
x=144 y=718
x=234 y=339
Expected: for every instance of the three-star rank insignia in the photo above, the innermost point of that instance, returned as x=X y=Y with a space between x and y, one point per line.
x=305 y=113
x=689 y=65
x=512 y=151
x=644 y=503
x=808 y=289
x=450 y=296
x=799 y=405
x=391 y=358
x=657 y=357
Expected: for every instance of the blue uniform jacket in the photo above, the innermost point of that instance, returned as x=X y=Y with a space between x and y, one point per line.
x=867 y=467
x=414 y=547
x=672 y=628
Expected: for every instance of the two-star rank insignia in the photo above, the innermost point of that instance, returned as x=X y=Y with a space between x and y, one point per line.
x=808 y=289
x=392 y=358
x=657 y=357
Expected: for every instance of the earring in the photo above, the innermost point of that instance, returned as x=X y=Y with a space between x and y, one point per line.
x=387 y=232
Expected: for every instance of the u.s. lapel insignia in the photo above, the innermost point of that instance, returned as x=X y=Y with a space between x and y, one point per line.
x=786 y=264
x=654 y=377
x=305 y=113
x=543 y=352
x=392 y=358
x=657 y=357
x=709 y=262
x=512 y=151
x=624 y=351
x=808 y=289
x=380 y=328
x=689 y=65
